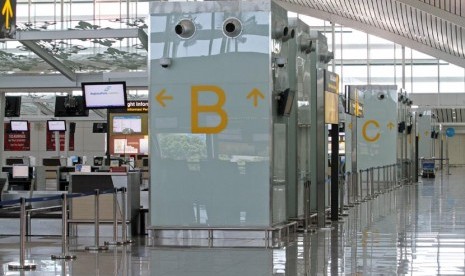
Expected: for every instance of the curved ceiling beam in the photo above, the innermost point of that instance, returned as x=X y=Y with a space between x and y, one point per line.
x=399 y=39
x=452 y=18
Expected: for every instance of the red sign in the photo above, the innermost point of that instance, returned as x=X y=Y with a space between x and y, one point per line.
x=51 y=140
x=16 y=141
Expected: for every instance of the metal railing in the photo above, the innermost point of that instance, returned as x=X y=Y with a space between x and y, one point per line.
x=24 y=215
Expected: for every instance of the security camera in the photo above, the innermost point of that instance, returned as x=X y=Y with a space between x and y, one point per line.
x=281 y=61
x=420 y=115
x=381 y=96
x=165 y=62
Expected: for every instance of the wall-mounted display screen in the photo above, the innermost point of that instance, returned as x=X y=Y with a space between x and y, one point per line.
x=19 y=125
x=70 y=106
x=12 y=106
x=127 y=124
x=56 y=125
x=104 y=94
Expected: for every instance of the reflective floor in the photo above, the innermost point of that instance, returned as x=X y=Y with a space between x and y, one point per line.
x=414 y=230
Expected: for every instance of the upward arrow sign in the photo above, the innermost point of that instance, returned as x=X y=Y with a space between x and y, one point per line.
x=7 y=11
x=255 y=94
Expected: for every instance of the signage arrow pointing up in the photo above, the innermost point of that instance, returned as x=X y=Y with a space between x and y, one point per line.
x=390 y=125
x=7 y=11
x=161 y=97
x=255 y=93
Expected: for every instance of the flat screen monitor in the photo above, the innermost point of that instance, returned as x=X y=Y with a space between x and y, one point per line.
x=99 y=128
x=51 y=162
x=114 y=162
x=285 y=103
x=19 y=125
x=14 y=161
x=12 y=106
x=20 y=171
x=331 y=108
x=101 y=95
x=98 y=161
x=56 y=125
x=70 y=106
x=127 y=124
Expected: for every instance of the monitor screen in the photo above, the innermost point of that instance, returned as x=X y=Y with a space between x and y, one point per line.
x=285 y=102
x=12 y=106
x=70 y=106
x=56 y=125
x=14 y=161
x=114 y=162
x=86 y=168
x=99 y=128
x=19 y=125
x=51 y=162
x=104 y=94
x=20 y=171
x=127 y=124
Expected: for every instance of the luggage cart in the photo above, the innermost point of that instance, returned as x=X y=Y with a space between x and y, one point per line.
x=427 y=167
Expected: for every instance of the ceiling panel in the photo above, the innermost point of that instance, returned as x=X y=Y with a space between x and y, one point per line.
x=437 y=30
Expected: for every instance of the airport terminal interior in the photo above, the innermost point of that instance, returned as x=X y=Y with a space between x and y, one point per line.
x=259 y=137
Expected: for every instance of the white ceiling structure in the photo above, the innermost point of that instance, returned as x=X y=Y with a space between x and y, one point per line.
x=434 y=27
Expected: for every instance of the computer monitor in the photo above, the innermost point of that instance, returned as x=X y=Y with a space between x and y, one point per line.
x=56 y=125
x=98 y=161
x=19 y=125
x=104 y=94
x=86 y=168
x=51 y=162
x=114 y=162
x=14 y=161
x=20 y=171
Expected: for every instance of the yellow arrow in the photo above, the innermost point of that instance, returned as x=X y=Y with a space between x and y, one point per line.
x=161 y=97
x=390 y=125
x=350 y=126
x=255 y=93
x=7 y=11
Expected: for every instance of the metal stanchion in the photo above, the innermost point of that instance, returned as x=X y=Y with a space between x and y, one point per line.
x=306 y=205
x=115 y=221
x=22 y=265
x=378 y=181
x=96 y=246
x=362 y=198
x=342 y=195
x=349 y=190
x=125 y=225
x=64 y=231
x=372 y=181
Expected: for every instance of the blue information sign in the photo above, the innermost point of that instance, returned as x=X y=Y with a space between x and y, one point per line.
x=450 y=132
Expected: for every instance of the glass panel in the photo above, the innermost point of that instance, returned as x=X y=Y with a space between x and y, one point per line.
x=425 y=79
x=279 y=173
x=451 y=79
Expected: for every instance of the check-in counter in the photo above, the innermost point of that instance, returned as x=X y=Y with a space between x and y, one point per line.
x=82 y=209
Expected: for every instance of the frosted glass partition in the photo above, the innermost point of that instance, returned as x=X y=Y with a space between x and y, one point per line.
x=211 y=116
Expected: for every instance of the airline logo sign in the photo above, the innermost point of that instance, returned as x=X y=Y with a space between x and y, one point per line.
x=8 y=18
x=164 y=99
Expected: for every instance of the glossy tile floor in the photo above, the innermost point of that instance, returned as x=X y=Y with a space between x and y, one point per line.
x=415 y=230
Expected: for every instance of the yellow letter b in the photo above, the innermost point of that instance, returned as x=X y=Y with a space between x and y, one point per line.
x=216 y=108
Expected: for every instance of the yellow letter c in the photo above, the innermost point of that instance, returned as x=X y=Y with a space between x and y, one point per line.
x=364 y=131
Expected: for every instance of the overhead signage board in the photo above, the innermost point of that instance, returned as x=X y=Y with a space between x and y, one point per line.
x=331 y=98
x=7 y=18
x=354 y=101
